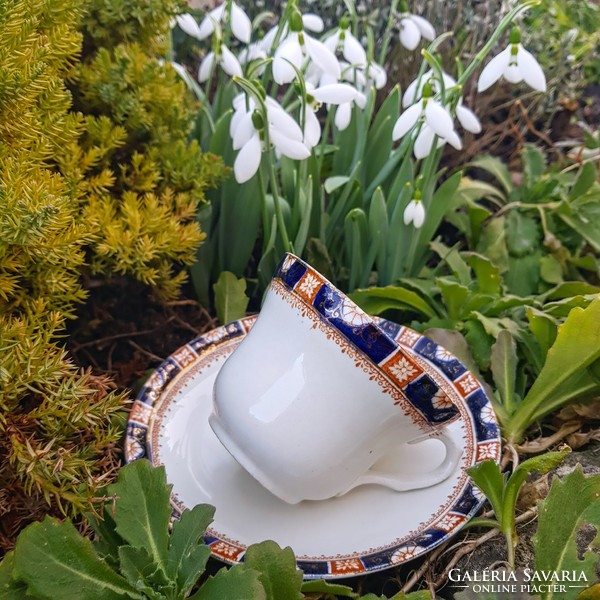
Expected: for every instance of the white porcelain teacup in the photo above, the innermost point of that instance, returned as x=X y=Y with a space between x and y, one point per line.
x=317 y=393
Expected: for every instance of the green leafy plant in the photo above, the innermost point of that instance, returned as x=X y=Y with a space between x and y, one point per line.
x=141 y=180
x=502 y=491
x=572 y=503
x=136 y=555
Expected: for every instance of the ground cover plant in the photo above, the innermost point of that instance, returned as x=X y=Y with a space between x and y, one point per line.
x=448 y=181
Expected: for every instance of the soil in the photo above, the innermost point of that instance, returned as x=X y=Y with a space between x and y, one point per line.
x=124 y=332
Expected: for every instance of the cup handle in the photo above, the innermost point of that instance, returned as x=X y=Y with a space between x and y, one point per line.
x=404 y=483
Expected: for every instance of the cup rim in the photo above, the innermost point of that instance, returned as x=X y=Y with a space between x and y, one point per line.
x=339 y=313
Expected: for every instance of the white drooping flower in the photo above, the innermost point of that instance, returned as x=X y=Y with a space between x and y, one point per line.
x=310 y=22
x=340 y=94
x=247 y=131
x=414 y=213
x=188 y=25
x=515 y=64
x=467 y=118
x=376 y=75
x=343 y=41
x=297 y=47
x=223 y=57
x=241 y=27
x=413 y=28
x=435 y=119
x=414 y=90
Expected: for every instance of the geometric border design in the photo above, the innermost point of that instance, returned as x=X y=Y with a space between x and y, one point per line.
x=466 y=501
x=362 y=334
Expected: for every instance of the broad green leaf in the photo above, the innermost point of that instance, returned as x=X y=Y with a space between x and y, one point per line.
x=491 y=481
x=523 y=274
x=562 y=308
x=142 y=511
x=522 y=234
x=585 y=180
x=55 y=561
x=143 y=574
x=572 y=503
x=584 y=219
x=551 y=270
x=230 y=297
x=569 y=289
x=455 y=297
x=576 y=347
x=107 y=540
x=480 y=343
x=277 y=567
x=538 y=464
x=9 y=588
x=454 y=260
x=187 y=553
x=496 y=168
x=320 y=586
x=374 y=301
x=492 y=243
x=534 y=163
x=238 y=582
x=544 y=328
x=504 y=362
x=486 y=273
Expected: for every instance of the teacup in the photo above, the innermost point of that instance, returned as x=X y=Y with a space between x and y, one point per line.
x=317 y=393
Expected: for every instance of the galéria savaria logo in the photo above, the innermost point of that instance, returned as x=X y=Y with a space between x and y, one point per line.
x=528 y=581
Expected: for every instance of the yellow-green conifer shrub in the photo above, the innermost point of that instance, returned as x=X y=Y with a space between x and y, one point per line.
x=144 y=179
x=57 y=424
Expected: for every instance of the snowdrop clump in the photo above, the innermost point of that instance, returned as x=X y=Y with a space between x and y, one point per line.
x=303 y=68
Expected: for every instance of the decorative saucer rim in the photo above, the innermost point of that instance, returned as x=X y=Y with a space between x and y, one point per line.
x=486 y=445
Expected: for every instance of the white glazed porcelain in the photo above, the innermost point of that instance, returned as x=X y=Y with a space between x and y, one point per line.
x=369 y=529
x=308 y=402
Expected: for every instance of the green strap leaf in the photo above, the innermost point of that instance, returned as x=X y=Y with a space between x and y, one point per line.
x=572 y=503
x=504 y=368
x=238 y=582
x=278 y=572
x=491 y=481
x=55 y=561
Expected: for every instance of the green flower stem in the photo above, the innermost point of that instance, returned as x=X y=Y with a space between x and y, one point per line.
x=266 y=223
x=387 y=36
x=504 y=24
x=326 y=130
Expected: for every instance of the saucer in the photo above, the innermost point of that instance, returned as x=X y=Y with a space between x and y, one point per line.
x=368 y=529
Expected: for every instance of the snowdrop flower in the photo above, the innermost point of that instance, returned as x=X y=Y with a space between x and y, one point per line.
x=436 y=121
x=515 y=64
x=241 y=27
x=467 y=118
x=376 y=75
x=296 y=48
x=351 y=49
x=310 y=21
x=188 y=25
x=413 y=28
x=340 y=94
x=224 y=57
x=414 y=90
x=247 y=130
x=414 y=213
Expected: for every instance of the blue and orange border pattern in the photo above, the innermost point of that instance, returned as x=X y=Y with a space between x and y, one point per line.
x=486 y=432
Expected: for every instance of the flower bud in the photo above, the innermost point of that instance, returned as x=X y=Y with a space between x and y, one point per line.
x=296 y=21
x=257 y=121
x=515 y=35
